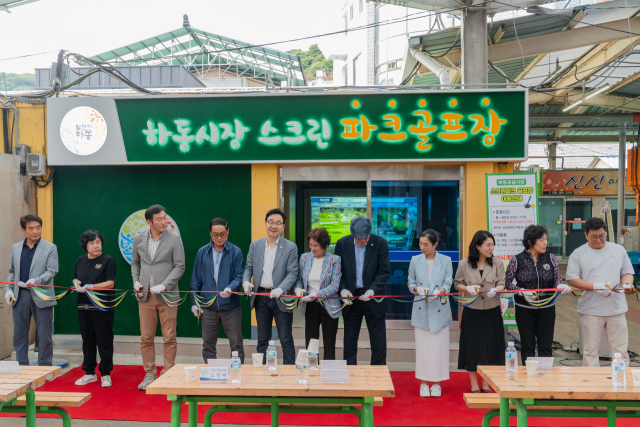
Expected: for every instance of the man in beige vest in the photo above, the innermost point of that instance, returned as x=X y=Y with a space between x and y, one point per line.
x=158 y=264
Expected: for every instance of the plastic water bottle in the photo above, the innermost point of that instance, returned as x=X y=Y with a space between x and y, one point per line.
x=511 y=358
x=302 y=367
x=618 y=371
x=235 y=372
x=272 y=356
x=313 y=361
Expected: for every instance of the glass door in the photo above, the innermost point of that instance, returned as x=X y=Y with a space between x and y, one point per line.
x=400 y=212
x=578 y=211
x=550 y=215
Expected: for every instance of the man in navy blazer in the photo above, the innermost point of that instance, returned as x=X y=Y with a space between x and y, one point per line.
x=365 y=271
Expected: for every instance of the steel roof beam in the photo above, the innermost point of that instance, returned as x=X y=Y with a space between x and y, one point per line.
x=599 y=100
x=551 y=42
x=584 y=118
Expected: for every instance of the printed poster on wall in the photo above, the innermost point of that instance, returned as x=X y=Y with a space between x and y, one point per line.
x=512 y=206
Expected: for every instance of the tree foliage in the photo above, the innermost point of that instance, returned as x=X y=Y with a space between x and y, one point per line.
x=313 y=60
x=14 y=81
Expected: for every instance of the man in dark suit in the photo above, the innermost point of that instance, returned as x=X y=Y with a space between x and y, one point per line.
x=365 y=271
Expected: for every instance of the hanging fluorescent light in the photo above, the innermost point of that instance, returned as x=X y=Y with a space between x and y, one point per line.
x=593 y=92
x=597 y=91
x=573 y=104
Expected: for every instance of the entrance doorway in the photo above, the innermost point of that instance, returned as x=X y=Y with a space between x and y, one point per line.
x=551 y=215
x=401 y=201
x=578 y=211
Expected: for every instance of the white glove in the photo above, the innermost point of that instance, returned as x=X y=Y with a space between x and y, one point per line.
x=421 y=292
x=137 y=286
x=309 y=298
x=492 y=292
x=275 y=293
x=83 y=289
x=472 y=289
x=435 y=296
x=627 y=286
x=566 y=289
x=157 y=289
x=76 y=283
x=195 y=310
x=346 y=294
x=298 y=292
x=8 y=294
x=31 y=282
x=226 y=293
x=247 y=287
x=367 y=296
x=23 y=285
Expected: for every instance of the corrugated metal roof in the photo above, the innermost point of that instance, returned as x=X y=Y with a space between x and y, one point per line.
x=155 y=76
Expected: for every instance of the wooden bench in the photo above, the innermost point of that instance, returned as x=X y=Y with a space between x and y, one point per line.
x=491 y=401
x=51 y=402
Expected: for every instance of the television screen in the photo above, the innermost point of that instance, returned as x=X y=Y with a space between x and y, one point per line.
x=394 y=218
x=335 y=214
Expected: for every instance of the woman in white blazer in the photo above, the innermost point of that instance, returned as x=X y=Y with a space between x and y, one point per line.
x=431 y=274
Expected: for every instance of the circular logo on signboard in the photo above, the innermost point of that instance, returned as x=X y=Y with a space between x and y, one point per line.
x=136 y=224
x=83 y=131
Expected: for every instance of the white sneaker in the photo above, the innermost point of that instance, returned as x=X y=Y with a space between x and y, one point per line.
x=436 y=391
x=106 y=381
x=87 y=379
x=424 y=390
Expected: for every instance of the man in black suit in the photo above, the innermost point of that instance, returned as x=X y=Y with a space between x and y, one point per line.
x=365 y=271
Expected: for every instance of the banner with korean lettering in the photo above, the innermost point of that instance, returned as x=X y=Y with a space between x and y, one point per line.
x=512 y=206
x=590 y=182
x=404 y=125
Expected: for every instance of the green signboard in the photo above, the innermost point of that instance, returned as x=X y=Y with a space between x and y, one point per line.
x=395 y=126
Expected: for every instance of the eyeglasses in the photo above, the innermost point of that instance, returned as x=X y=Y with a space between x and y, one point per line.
x=279 y=224
x=601 y=237
x=218 y=235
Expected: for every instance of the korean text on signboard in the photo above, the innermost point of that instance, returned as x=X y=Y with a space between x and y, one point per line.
x=512 y=206
x=581 y=182
x=415 y=126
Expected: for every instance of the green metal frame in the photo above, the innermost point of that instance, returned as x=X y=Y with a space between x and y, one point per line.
x=523 y=413
x=30 y=409
x=342 y=406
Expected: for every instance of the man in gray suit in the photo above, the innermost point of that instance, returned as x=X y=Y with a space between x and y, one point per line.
x=273 y=264
x=158 y=264
x=33 y=261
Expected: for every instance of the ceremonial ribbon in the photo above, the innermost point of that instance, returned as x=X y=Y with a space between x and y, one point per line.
x=291 y=302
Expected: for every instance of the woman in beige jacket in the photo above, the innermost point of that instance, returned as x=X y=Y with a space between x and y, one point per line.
x=481 y=329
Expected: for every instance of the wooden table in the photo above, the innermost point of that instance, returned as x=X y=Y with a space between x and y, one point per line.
x=260 y=386
x=569 y=387
x=14 y=385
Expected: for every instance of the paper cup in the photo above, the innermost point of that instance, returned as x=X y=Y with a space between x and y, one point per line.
x=635 y=373
x=314 y=346
x=257 y=360
x=190 y=373
x=532 y=367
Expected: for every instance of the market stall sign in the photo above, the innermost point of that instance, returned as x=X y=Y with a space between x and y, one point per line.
x=512 y=206
x=253 y=128
x=582 y=182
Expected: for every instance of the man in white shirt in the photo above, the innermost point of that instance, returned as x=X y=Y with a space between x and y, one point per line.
x=272 y=262
x=604 y=270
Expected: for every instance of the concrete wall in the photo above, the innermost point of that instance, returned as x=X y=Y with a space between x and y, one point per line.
x=17 y=198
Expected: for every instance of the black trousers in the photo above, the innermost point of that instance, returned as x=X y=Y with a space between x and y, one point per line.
x=377 y=333
x=314 y=316
x=96 y=328
x=536 y=325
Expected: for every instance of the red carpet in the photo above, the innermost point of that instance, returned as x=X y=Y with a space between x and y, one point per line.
x=124 y=402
